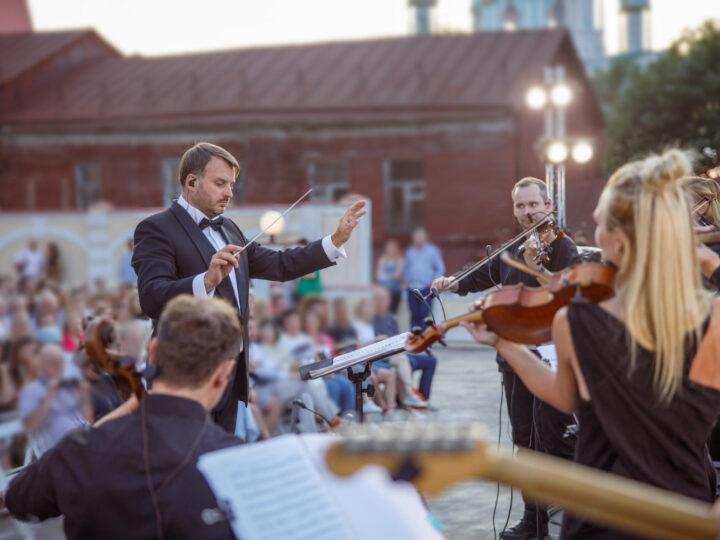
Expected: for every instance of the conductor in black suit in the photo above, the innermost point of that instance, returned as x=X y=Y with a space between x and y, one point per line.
x=190 y=248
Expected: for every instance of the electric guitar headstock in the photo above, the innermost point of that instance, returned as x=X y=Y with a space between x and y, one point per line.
x=439 y=455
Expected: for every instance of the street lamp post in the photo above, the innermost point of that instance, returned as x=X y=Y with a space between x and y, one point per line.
x=553 y=97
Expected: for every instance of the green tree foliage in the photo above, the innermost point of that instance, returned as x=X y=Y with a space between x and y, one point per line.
x=675 y=101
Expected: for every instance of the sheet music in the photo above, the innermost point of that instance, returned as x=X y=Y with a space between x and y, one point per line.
x=282 y=489
x=380 y=349
x=273 y=491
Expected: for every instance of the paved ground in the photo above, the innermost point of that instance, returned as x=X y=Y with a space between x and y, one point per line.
x=466 y=387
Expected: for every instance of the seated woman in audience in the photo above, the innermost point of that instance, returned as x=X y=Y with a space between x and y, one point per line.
x=639 y=368
x=24 y=367
x=363 y=324
x=344 y=333
x=72 y=330
x=275 y=373
x=341 y=390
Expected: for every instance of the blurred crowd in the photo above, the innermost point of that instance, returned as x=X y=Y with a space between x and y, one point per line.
x=48 y=387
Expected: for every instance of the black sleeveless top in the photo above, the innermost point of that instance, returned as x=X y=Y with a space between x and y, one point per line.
x=625 y=429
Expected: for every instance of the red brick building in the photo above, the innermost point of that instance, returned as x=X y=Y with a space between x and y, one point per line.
x=433 y=129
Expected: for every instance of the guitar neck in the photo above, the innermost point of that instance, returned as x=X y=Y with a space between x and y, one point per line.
x=609 y=500
x=603 y=498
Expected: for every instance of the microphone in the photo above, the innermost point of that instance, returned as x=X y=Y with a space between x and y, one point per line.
x=420 y=297
x=297 y=402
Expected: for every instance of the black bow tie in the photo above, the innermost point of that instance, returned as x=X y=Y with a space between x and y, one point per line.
x=215 y=223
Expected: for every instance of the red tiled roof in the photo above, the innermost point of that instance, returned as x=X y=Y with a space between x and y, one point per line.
x=266 y=85
x=19 y=51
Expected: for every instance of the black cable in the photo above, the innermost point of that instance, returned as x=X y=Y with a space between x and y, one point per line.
x=436 y=294
x=510 y=402
x=300 y=403
x=497 y=491
x=488 y=251
x=148 y=477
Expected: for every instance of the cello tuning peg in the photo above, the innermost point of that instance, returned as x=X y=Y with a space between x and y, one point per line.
x=429 y=322
x=416 y=330
x=442 y=342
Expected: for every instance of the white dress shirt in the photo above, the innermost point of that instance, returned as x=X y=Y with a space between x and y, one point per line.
x=218 y=242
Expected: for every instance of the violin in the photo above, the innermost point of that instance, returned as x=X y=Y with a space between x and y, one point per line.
x=542 y=226
x=540 y=240
x=524 y=314
x=99 y=338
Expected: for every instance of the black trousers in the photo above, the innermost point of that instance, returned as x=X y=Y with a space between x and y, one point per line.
x=224 y=414
x=537 y=426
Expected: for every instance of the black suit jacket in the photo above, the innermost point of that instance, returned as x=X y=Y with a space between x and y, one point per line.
x=170 y=250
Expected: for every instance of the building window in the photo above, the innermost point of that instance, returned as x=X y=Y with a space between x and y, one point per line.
x=404 y=195
x=328 y=180
x=171 y=186
x=172 y=189
x=88 y=187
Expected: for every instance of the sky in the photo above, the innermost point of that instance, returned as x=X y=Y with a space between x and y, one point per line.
x=154 y=27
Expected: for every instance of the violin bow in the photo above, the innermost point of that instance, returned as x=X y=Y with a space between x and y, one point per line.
x=547 y=218
x=517 y=263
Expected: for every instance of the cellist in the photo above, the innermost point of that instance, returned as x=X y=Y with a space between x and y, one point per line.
x=534 y=424
x=640 y=368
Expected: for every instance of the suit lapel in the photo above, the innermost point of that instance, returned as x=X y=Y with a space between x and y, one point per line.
x=234 y=236
x=202 y=244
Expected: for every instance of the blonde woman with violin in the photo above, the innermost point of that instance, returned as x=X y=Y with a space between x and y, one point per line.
x=639 y=368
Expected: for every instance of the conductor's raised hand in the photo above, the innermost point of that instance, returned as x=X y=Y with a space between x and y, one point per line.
x=348 y=222
x=223 y=262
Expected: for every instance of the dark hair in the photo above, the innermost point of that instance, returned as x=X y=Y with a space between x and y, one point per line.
x=289 y=312
x=196 y=158
x=271 y=324
x=194 y=336
x=531 y=181
x=14 y=363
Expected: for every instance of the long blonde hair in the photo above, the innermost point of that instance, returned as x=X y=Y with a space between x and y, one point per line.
x=704 y=189
x=658 y=283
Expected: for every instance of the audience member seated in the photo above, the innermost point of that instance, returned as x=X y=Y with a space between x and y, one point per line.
x=385 y=324
x=363 y=325
x=276 y=376
x=341 y=390
x=342 y=331
x=72 y=330
x=50 y=406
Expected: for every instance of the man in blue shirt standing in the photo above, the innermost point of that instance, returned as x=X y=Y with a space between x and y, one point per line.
x=423 y=264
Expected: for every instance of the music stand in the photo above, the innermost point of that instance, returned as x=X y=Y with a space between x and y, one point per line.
x=330 y=366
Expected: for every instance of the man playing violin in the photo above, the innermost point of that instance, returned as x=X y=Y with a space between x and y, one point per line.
x=134 y=474
x=535 y=424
